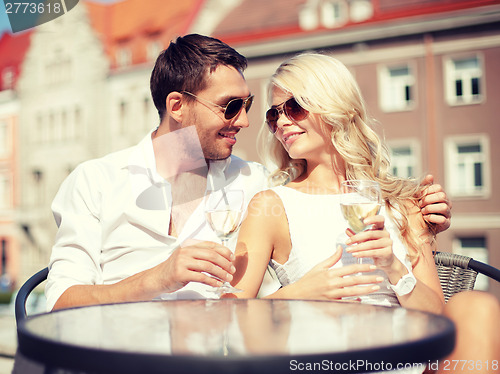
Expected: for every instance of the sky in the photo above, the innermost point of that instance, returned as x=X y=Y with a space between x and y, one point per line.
x=4 y=19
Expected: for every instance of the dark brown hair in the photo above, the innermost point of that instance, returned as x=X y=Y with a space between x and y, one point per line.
x=185 y=64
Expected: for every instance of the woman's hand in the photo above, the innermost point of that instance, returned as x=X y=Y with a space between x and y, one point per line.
x=374 y=243
x=324 y=283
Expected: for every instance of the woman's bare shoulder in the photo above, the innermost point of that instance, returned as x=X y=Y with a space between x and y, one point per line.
x=266 y=198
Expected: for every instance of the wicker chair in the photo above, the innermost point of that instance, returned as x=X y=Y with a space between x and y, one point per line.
x=458 y=273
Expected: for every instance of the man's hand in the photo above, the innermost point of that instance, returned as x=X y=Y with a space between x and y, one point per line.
x=434 y=204
x=204 y=262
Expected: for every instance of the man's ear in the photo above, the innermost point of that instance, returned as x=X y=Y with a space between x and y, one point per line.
x=175 y=106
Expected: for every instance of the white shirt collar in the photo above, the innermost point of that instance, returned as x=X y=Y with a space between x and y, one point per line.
x=143 y=156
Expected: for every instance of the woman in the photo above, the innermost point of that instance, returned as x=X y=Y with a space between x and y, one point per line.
x=320 y=136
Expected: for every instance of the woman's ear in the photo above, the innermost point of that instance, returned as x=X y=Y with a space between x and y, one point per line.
x=175 y=105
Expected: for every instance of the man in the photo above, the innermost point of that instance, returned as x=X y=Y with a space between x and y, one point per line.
x=131 y=224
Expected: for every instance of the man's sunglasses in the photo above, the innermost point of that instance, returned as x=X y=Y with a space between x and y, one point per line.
x=293 y=111
x=231 y=109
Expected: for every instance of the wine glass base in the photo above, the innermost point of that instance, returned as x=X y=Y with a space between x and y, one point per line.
x=225 y=288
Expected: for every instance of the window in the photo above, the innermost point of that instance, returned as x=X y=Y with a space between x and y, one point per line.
x=404 y=161
x=5 y=139
x=463 y=80
x=39 y=192
x=78 y=122
x=5 y=191
x=308 y=17
x=396 y=85
x=326 y=13
x=45 y=131
x=57 y=135
x=123 y=117
x=153 y=50
x=361 y=10
x=8 y=78
x=52 y=127
x=4 y=258
x=474 y=247
x=468 y=171
x=123 y=57
x=333 y=13
x=64 y=125
x=147 y=112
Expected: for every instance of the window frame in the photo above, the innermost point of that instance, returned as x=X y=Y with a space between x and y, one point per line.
x=337 y=19
x=416 y=154
x=452 y=159
x=7 y=190
x=6 y=138
x=385 y=83
x=8 y=78
x=360 y=10
x=123 y=57
x=450 y=78
x=153 y=49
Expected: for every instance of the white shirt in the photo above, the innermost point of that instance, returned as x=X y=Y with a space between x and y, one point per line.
x=113 y=215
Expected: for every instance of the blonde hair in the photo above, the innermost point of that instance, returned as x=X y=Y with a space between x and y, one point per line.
x=325 y=87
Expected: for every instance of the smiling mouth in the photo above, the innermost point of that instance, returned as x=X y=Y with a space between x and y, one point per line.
x=231 y=135
x=291 y=136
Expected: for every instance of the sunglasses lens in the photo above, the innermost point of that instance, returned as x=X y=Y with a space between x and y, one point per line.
x=248 y=103
x=294 y=111
x=272 y=116
x=233 y=108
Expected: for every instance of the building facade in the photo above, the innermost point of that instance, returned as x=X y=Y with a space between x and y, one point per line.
x=429 y=72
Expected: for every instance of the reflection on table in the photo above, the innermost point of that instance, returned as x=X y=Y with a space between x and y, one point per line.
x=232 y=335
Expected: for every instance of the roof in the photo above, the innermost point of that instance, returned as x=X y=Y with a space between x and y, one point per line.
x=13 y=48
x=256 y=21
x=132 y=23
x=128 y=24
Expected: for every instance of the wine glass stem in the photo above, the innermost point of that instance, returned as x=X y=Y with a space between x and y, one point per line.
x=224 y=241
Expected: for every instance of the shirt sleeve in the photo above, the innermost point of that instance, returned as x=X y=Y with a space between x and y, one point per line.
x=75 y=257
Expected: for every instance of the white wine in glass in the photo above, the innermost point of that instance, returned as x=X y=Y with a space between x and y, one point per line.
x=223 y=212
x=223 y=222
x=359 y=200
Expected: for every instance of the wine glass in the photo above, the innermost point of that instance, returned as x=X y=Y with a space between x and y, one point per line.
x=359 y=199
x=223 y=212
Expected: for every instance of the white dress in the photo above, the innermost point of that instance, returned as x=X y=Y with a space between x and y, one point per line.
x=317 y=227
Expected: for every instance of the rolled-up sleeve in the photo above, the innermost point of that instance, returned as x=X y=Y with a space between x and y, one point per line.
x=75 y=257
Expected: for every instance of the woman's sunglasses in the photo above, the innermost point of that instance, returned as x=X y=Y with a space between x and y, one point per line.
x=232 y=108
x=293 y=111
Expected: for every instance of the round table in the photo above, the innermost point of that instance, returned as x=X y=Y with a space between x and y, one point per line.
x=235 y=336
